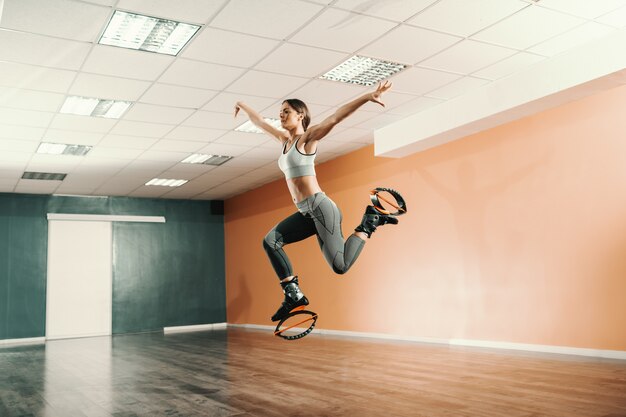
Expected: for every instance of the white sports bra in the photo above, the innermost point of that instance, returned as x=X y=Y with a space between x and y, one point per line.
x=295 y=163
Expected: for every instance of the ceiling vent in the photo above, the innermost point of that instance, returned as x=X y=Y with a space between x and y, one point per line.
x=363 y=71
x=44 y=176
x=145 y=33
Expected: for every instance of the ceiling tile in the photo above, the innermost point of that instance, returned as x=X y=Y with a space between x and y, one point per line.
x=149 y=191
x=157 y=114
x=262 y=152
x=142 y=129
x=21 y=132
x=102 y=86
x=398 y=10
x=187 y=11
x=7 y=185
x=18 y=145
x=364 y=114
x=391 y=99
x=225 y=102
x=25 y=117
x=302 y=61
x=30 y=100
x=70 y=189
x=72 y=137
x=104 y=153
x=53 y=163
x=516 y=32
x=416 y=106
x=200 y=74
x=266 y=84
x=329 y=93
x=224 y=149
x=243 y=139
x=458 y=87
x=35 y=78
x=508 y=66
x=421 y=80
x=211 y=120
x=163 y=156
x=111 y=60
x=36 y=186
x=190 y=170
x=13 y=172
x=583 y=8
x=254 y=17
x=173 y=95
x=464 y=18
x=127 y=142
x=177 y=146
x=378 y=121
x=616 y=18
x=409 y=45
x=196 y=134
x=217 y=46
x=92 y=165
x=578 y=36
x=12 y=159
x=467 y=57
x=342 y=31
x=27 y=48
x=61 y=18
x=82 y=123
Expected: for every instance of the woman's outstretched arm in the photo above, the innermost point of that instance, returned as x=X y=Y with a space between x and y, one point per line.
x=319 y=131
x=260 y=122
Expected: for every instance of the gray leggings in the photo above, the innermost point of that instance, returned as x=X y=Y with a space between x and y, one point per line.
x=316 y=215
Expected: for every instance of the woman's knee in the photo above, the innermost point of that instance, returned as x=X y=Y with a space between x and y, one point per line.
x=271 y=241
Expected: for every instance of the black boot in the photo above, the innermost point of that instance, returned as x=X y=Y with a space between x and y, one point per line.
x=372 y=219
x=293 y=298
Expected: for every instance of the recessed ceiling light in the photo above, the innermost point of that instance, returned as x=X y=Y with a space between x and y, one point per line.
x=199 y=158
x=44 y=176
x=363 y=71
x=63 y=149
x=145 y=33
x=89 y=106
x=249 y=127
x=166 y=182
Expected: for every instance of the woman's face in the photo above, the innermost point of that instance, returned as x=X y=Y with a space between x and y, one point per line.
x=289 y=118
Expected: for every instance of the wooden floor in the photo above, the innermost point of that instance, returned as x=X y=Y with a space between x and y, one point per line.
x=239 y=372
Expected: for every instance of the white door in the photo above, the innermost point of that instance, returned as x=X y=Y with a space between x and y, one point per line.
x=79 y=292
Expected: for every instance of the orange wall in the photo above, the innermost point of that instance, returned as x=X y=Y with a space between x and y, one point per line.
x=515 y=234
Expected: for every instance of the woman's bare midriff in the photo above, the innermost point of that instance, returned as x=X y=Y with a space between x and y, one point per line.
x=303 y=187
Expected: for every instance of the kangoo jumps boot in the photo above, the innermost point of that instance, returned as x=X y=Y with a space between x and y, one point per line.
x=293 y=298
x=372 y=219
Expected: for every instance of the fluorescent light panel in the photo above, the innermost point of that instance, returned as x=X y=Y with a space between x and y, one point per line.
x=44 y=176
x=166 y=182
x=63 y=149
x=200 y=158
x=145 y=33
x=363 y=71
x=249 y=127
x=95 y=107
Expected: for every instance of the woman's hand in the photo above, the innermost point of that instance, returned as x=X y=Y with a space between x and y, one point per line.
x=237 y=108
x=379 y=91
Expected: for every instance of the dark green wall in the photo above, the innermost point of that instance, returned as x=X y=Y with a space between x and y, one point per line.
x=169 y=274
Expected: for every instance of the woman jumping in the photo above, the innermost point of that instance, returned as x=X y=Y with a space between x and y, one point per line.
x=317 y=214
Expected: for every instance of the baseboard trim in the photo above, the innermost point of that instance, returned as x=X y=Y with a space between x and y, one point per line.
x=194 y=328
x=560 y=350
x=25 y=341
